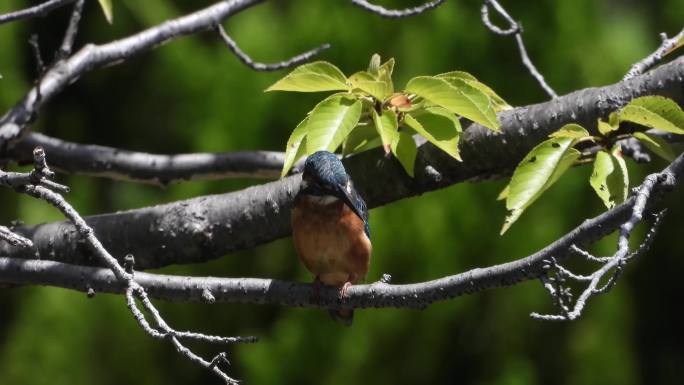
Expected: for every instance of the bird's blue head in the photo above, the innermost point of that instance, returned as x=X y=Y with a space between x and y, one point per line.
x=324 y=173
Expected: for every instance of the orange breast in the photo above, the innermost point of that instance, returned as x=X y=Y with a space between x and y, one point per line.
x=331 y=241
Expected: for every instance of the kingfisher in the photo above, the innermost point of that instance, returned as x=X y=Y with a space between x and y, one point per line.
x=330 y=227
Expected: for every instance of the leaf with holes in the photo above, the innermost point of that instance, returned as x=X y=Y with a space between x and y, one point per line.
x=439 y=127
x=655 y=112
x=387 y=127
x=312 y=77
x=540 y=169
x=572 y=131
x=603 y=167
x=404 y=149
x=107 y=9
x=656 y=145
x=466 y=101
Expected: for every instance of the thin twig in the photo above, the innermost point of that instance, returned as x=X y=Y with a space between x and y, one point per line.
x=649 y=61
x=257 y=66
x=14 y=239
x=396 y=13
x=39 y=10
x=71 y=32
x=133 y=289
x=516 y=29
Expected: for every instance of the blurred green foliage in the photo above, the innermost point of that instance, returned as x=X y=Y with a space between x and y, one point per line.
x=193 y=95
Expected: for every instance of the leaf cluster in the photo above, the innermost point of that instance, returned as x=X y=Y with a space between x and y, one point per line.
x=367 y=112
x=549 y=160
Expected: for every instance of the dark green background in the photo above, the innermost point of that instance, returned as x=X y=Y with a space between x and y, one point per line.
x=193 y=95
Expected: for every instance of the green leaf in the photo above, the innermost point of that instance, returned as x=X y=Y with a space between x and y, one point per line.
x=385 y=75
x=367 y=83
x=606 y=128
x=571 y=130
x=404 y=148
x=387 y=127
x=504 y=193
x=466 y=101
x=656 y=145
x=439 y=127
x=457 y=74
x=655 y=112
x=107 y=9
x=312 y=77
x=362 y=138
x=294 y=149
x=457 y=78
x=330 y=122
x=603 y=167
x=374 y=65
x=540 y=169
x=618 y=181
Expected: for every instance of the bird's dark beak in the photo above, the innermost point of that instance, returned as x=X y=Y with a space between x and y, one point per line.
x=347 y=198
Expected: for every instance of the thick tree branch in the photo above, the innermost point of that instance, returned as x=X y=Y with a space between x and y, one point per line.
x=378 y=294
x=208 y=227
x=144 y=167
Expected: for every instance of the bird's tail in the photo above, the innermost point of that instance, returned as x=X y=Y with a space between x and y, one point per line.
x=346 y=316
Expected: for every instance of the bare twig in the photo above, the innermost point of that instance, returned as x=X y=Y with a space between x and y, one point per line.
x=514 y=29
x=72 y=30
x=14 y=239
x=257 y=66
x=15 y=122
x=396 y=13
x=39 y=10
x=649 y=61
x=126 y=278
x=617 y=261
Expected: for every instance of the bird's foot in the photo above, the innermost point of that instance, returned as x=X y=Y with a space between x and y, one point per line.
x=316 y=286
x=343 y=290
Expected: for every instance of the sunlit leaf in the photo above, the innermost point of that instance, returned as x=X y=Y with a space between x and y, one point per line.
x=605 y=128
x=656 y=145
x=107 y=9
x=571 y=130
x=603 y=167
x=362 y=138
x=540 y=169
x=330 y=122
x=618 y=181
x=466 y=101
x=385 y=74
x=655 y=112
x=457 y=78
x=504 y=193
x=312 y=77
x=374 y=65
x=367 y=83
x=439 y=127
x=404 y=149
x=387 y=127
x=295 y=149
